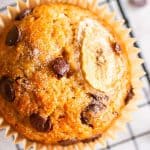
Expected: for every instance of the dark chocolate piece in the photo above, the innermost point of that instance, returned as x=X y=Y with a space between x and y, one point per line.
x=116 y=48
x=60 y=67
x=23 y=14
x=13 y=36
x=129 y=96
x=40 y=124
x=6 y=89
x=97 y=105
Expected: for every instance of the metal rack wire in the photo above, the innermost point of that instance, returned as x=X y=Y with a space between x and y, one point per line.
x=133 y=137
x=146 y=90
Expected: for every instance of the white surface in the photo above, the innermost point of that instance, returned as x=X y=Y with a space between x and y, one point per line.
x=6 y=144
x=124 y=146
x=144 y=143
x=140 y=21
x=120 y=137
x=6 y=2
x=141 y=124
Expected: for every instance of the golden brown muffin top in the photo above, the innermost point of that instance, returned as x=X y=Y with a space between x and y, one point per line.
x=63 y=75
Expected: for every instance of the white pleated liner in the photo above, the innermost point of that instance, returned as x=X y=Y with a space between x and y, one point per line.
x=136 y=72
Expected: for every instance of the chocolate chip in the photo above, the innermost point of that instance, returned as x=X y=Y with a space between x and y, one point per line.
x=129 y=96
x=60 y=67
x=13 y=36
x=23 y=14
x=6 y=89
x=40 y=124
x=97 y=105
x=101 y=98
x=138 y=3
x=90 y=112
x=116 y=48
x=85 y=118
x=70 y=73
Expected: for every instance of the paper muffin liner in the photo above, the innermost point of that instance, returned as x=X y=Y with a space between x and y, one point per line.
x=122 y=34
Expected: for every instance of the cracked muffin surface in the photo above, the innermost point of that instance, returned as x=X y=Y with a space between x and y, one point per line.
x=64 y=77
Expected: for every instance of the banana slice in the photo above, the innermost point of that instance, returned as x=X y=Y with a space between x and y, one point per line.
x=101 y=66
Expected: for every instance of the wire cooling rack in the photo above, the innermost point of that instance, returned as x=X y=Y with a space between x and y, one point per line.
x=137 y=135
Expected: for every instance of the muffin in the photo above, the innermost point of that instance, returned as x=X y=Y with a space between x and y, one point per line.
x=66 y=74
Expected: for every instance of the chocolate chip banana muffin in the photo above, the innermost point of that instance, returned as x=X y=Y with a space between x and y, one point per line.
x=64 y=76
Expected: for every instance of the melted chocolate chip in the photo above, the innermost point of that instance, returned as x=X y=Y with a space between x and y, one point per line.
x=129 y=96
x=90 y=112
x=60 y=67
x=6 y=89
x=99 y=98
x=97 y=105
x=116 y=48
x=85 y=118
x=23 y=14
x=70 y=73
x=40 y=124
x=13 y=36
x=138 y=3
